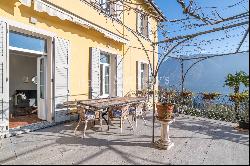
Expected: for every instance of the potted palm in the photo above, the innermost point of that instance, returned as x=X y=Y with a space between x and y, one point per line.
x=234 y=82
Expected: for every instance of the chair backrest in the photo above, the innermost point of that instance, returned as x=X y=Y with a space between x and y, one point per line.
x=131 y=94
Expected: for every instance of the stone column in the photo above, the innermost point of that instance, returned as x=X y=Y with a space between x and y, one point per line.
x=164 y=142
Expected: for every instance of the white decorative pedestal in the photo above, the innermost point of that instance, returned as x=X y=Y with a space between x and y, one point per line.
x=164 y=143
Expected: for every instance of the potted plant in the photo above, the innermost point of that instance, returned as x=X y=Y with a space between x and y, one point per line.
x=186 y=94
x=165 y=106
x=239 y=97
x=210 y=96
x=234 y=82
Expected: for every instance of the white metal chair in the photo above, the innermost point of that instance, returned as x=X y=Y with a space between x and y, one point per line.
x=137 y=111
x=121 y=112
x=85 y=115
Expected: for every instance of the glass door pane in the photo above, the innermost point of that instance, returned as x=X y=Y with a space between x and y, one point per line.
x=23 y=41
x=106 y=79
x=101 y=79
x=42 y=80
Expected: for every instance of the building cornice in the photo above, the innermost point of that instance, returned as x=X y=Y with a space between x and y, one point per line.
x=53 y=10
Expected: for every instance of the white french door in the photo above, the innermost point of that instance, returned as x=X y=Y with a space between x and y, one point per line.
x=105 y=80
x=41 y=87
x=4 y=80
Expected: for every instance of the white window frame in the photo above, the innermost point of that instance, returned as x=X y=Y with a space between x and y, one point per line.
x=105 y=6
x=23 y=32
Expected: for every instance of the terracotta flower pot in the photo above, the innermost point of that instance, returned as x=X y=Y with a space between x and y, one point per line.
x=186 y=94
x=210 y=96
x=165 y=111
x=236 y=98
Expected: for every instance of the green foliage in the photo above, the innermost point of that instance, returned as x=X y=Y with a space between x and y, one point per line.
x=234 y=81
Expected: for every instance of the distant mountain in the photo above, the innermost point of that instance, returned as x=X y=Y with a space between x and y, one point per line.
x=206 y=76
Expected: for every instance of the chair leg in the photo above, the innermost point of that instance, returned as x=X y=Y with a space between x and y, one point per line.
x=121 y=124
x=144 y=120
x=136 y=122
x=85 y=128
x=100 y=123
x=130 y=124
x=143 y=117
x=77 y=126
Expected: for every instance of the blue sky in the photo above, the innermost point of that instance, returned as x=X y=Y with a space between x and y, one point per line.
x=225 y=8
x=228 y=43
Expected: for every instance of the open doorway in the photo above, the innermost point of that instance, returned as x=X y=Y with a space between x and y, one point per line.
x=27 y=80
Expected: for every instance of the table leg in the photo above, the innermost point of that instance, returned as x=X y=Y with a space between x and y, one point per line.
x=100 y=113
x=136 y=110
x=106 y=120
x=103 y=114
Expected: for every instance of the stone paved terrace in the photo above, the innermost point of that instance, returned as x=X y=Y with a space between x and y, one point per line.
x=197 y=141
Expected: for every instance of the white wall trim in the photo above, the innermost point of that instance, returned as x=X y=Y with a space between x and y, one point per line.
x=15 y=24
x=26 y=51
x=143 y=61
x=108 y=51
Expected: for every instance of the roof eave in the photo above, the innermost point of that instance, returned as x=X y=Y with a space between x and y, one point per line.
x=163 y=18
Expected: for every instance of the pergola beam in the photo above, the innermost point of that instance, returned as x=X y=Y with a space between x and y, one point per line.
x=242 y=41
x=202 y=33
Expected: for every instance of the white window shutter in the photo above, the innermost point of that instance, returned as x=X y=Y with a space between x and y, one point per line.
x=61 y=82
x=95 y=73
x=150 y=32
x=119 y=75
x=138 y=22
x=4 y=83
x=138 y=75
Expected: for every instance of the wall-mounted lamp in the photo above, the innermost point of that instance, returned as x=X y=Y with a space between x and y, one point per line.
x=25 y=79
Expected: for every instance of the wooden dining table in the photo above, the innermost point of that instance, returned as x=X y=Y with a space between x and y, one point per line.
x=102 y=105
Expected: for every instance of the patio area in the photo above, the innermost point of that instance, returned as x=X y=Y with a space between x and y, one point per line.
x=197 y=141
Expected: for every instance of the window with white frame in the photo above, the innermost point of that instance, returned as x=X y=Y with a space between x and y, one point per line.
x=118 y=10
x=105 y=70
x=105 y=6
x=142 y=24
x=142 y=75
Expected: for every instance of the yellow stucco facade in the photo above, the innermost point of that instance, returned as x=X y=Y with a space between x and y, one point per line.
x=82 y=38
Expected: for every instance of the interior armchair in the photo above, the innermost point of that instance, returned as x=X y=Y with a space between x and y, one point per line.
x=20 y=101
